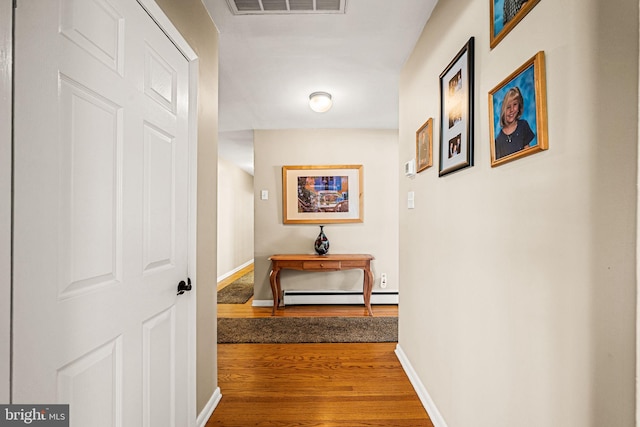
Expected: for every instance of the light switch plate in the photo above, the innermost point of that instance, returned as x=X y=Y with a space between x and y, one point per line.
x=264 y=195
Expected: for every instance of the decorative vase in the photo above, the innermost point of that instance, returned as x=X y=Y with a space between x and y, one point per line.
x=322 y=243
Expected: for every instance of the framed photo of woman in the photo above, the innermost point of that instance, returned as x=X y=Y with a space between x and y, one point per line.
x=456 y=112
x=518 y=113
x=505 y=15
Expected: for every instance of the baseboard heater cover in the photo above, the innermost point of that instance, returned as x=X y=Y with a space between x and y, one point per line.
x=337 y=297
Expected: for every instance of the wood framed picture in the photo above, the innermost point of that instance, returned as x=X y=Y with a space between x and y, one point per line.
x=424 y=146
x=505 y=15
x=322 y=194
x=456 y=112
x=518 y=113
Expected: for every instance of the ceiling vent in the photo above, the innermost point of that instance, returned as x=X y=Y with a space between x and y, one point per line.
x=288 y=7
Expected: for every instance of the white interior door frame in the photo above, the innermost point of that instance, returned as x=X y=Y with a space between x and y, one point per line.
x=6 y=83
x=174 y=35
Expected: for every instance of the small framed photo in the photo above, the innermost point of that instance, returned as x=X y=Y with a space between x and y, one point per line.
x=424 y=146
x=456 y=112
x=505 y=15
x=322 y=194
x=518 y=113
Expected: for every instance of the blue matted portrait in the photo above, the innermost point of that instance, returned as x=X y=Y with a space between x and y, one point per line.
x=505 y=15
x=518 y=113
x=525 y=82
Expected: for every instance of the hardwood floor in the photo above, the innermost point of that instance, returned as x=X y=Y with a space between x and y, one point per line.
x=246 y=310
x=313 y=384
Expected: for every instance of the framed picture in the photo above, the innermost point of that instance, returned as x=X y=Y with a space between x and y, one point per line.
x=505 y=15
x=322 y=194
x=456 y=112
x=518 y=113
x=424 y=146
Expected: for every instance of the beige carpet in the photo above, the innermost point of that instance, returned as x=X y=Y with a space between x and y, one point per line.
x=281 y=330
x=237 y=292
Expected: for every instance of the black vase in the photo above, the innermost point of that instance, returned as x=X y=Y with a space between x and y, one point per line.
x=322 y=243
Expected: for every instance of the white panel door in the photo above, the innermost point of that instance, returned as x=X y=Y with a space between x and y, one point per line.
x=101 y=224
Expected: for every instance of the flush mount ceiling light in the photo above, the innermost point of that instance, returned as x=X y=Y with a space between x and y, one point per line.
x=320 y=101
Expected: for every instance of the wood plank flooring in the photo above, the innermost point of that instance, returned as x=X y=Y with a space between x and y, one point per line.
x=302 y=385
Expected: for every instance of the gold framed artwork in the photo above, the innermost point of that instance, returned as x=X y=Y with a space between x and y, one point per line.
x=424 y=146
x=518 y=113
x=505 y=15
x=322 y=194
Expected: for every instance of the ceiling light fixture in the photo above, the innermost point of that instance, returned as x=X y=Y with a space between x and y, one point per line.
x=320 y=101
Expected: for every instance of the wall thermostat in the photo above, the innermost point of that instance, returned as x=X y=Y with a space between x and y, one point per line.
x=410 y=167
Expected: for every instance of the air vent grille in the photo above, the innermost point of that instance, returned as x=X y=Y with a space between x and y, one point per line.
x=265 y=7
x=300 y=4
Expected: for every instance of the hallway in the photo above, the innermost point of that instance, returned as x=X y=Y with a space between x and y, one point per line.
x=313 y=384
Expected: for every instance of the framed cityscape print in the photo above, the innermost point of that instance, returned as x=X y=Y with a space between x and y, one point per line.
x=322 y=194
x=518 y=113
x=456 y=112
x=505 y=15
x=424 y=146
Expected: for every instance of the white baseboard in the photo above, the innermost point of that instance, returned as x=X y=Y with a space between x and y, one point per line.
x=427 y=402
x=208 y=409
x=235 y=270
x=262 y=303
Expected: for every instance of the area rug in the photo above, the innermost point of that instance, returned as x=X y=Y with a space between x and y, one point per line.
x=237 y=292
x=284 y=330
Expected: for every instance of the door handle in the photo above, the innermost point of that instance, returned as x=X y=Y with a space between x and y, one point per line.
x=184 y=287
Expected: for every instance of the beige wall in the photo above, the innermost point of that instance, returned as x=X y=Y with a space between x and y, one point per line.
x=377 y=151
x=235 y=217
x=192 y=20
x=518 y=283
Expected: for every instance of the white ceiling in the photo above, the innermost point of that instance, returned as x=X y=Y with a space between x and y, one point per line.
x=269 y=64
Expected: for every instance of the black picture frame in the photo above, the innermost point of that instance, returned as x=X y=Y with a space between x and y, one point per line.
x=456 y=111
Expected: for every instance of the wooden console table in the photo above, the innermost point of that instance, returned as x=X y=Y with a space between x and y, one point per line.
x=332 y=262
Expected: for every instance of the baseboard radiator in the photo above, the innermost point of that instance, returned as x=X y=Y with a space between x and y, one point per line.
x=337 y=297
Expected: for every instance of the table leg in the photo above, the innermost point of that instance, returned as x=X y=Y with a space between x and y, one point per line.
x=274 y=279
x=367 y=289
